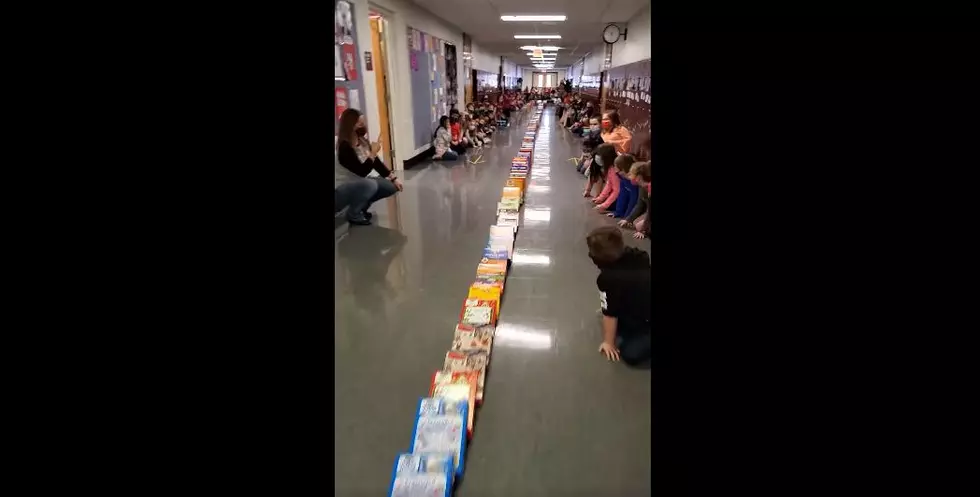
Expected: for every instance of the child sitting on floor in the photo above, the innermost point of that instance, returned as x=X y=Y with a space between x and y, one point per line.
x=628 y=191
x=610 y=192
x=456 y=134
x=589 y=146
x=599 y=170
x=475 y=134
x=624 y=297
x=640 y=173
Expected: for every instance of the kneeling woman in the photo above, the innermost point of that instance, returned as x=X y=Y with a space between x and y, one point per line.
x=356 y=158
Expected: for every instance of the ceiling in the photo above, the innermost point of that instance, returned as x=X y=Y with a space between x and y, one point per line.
x=580 y=33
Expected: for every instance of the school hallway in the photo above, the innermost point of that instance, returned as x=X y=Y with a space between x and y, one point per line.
x=558 y=418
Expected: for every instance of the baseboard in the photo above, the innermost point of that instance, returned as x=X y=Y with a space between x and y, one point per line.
x=423 y=156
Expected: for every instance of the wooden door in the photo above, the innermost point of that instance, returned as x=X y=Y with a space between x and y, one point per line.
x=379 y=77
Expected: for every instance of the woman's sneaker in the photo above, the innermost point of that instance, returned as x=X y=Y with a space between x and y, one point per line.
x=361 y=221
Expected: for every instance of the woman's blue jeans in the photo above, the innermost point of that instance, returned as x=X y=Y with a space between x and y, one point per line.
x=358 y=195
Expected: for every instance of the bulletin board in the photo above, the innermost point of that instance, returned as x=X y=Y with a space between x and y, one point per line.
x=348 y=80
x=428 y=79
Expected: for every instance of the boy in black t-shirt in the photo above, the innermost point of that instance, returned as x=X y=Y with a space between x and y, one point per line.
x=624 y=294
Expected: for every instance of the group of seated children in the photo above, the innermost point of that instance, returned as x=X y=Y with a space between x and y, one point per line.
x=625 y=194
x=577 y=116
x=624 y=182
x=457 y=132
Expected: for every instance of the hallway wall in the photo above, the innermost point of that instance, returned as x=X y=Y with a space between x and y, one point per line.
x=484 y=60
x=637 y=44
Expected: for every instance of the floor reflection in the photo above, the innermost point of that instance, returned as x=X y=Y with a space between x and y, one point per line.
x=366 y=257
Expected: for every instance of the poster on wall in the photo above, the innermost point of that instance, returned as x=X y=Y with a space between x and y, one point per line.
x=354 y=99
x=340 y=100
x=350 y=64
x=343 y=29
x=338 y=66
x=413 y=60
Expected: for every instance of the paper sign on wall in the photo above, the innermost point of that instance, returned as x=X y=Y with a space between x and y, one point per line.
x=338 y=64
x=340 y=100
x=350 y=62
x=354 y=99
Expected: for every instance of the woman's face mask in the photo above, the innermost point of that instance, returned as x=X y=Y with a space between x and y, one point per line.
x=598 y=160
x=361 y=130
x=472 y=127
x=606 y=124
x=594 y=128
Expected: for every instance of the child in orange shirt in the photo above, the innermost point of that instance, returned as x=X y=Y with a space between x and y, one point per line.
x=615 y=133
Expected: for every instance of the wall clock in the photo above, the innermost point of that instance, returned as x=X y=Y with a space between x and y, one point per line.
x=611 y=34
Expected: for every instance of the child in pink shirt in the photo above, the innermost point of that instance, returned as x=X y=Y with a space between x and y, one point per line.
x=605 y=157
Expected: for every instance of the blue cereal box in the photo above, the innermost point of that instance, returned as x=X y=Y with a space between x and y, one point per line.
x=440 y=427
x=421 y=485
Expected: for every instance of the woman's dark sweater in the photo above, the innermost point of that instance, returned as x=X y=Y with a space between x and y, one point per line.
x=347 y=157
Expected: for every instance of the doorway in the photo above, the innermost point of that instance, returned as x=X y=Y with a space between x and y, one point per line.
x=474 y=88
x=379 y=48
x=603 y=88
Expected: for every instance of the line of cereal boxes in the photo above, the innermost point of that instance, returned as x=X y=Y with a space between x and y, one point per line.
x=435 y=459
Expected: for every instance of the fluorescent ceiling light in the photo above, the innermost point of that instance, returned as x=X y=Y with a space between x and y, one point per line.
x=531 y=54
x=537 y=37
x=547 y=48
x=532 y=18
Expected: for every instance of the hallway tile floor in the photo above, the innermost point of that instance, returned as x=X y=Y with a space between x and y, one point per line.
x=558 y=418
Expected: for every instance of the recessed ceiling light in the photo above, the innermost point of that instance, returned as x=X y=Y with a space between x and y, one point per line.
x=537 y=37
x=532 y=18
x=544 y=48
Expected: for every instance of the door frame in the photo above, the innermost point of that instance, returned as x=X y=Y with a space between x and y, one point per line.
x=382 y=68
